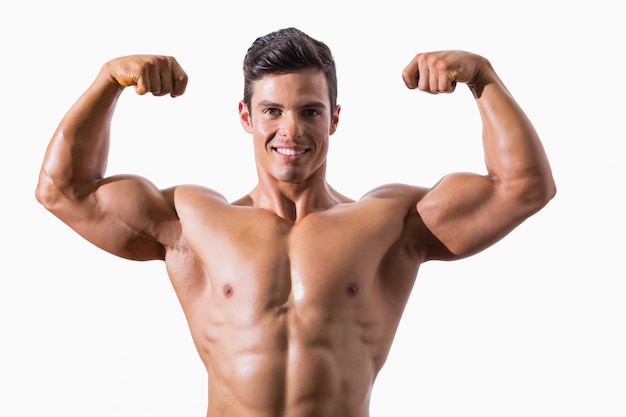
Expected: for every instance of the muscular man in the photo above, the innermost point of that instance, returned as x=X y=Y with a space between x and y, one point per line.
x=293 y=293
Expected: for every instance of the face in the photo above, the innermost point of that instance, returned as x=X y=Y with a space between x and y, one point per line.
x=290 y=122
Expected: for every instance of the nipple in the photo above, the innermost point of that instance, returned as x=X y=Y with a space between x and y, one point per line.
x=353 y=289
x=227 y=289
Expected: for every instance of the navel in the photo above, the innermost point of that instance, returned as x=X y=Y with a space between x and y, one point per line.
x=227 y=290
x=352 y=290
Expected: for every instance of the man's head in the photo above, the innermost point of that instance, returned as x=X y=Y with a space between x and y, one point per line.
x=284 y=51
x=289 y=105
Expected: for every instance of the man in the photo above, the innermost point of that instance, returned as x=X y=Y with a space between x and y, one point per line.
x=294 y=292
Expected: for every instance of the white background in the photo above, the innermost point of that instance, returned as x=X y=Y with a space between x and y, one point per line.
x=535 y=326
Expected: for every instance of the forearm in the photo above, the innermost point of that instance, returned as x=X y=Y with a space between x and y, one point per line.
x=514 y=155
x=78 y=151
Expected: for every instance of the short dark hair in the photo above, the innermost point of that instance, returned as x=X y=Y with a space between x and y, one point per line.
x=284 y=51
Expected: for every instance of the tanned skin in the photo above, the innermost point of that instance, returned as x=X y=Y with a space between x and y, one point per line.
x=293 y=293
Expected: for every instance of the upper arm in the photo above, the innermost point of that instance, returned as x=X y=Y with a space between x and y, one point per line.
x=124 y=215
x=468 y=213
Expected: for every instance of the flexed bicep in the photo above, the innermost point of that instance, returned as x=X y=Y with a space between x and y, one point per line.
x=468 y=213
x=123 y=215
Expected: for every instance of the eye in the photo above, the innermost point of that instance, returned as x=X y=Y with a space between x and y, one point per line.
x=310 y=112
x=271 y=111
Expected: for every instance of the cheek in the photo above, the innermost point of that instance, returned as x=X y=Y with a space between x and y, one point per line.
x=262 y=134
x=263 y=129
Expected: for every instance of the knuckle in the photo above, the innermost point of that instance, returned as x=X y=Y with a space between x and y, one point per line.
x=441 y=65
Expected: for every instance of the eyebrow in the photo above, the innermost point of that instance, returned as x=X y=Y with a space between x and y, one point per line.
x=312 y=104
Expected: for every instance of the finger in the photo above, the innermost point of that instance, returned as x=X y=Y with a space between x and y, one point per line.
x=155 y=77
x=426 y=74
x=142 y=85
x=179 y=78
x=424 y=78
x=410 y=74
x=434 y=81
x=165 y=78
x=446 y=82
x=451 y=87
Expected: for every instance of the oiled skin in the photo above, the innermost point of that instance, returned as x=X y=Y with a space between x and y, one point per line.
x=293 y=318
x=293 y=293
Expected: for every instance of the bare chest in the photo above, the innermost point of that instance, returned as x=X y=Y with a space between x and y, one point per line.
x=261 y=263
x=314 y=261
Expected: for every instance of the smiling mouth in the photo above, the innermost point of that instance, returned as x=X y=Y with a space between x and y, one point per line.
x=290 y=151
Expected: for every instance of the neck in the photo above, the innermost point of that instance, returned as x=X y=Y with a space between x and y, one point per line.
x=294 y=201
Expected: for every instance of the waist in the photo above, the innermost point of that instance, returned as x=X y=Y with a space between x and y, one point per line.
x=295 y=380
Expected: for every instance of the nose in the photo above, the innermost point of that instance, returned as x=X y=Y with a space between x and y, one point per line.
x=290 y=127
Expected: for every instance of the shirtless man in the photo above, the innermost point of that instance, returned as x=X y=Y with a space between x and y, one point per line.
x=294 y=292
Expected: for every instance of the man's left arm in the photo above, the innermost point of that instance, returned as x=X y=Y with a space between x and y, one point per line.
x=469 y=212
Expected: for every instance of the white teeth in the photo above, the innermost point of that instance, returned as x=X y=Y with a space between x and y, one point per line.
x=289 y=151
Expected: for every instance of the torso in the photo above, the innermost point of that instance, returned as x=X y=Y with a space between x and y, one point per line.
x=292 y=319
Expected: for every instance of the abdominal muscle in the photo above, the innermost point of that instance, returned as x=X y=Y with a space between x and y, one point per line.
x=286 y=363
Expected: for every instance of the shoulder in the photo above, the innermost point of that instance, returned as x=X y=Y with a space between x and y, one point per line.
x=189 y=191
x=401 y=194
x=395 y=205
x=394 y=201
x=187 y=197
x=401 y=201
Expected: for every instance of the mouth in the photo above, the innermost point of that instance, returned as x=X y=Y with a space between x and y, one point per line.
x=290 y=151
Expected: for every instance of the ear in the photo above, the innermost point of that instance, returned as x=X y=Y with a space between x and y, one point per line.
x=244 y=117
x=334 y=119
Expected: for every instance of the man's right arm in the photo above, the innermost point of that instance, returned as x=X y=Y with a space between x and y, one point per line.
x=125 y=215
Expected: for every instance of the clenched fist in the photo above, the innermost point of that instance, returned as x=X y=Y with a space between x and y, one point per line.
x=439 y=72
x=156 y=74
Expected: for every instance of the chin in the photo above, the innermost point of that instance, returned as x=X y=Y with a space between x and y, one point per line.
x=291 y=176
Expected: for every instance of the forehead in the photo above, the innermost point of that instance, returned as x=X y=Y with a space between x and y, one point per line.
x=304 y=85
